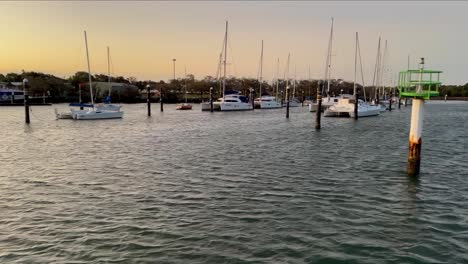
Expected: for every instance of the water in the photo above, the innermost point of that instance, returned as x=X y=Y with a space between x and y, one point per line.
x=251 y=187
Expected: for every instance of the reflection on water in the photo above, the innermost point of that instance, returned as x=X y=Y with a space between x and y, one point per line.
x=246 y=187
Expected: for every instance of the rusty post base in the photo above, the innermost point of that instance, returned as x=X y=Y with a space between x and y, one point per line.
x=414 y=158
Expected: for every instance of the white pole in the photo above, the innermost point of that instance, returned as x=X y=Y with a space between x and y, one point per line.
x=89 y=71
x=415 y=137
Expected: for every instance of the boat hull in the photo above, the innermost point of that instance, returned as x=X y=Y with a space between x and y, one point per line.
x=205 y=106
x=268 y=105
x=232 y=106
x=96 y=115
x=184 y=107
x=314 y=106
x=365 y=113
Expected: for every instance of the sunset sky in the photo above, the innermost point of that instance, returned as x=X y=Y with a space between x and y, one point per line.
x=144 y=37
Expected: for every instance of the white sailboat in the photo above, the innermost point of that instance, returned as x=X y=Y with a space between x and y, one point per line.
x=346 y=104
x=292 y=101
x=94 y=113
x=376 y=82
x=265 y=101
x=107 y=105
x=231 y=101
x=328 y=100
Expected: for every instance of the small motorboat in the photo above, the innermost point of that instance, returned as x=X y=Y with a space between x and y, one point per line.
x=184 y=106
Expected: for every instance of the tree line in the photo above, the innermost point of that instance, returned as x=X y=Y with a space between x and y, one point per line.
x=66 y=89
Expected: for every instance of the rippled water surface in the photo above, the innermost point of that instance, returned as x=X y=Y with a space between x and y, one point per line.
x=244 y=187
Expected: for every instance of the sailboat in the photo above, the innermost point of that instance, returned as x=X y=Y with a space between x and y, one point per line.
x=376 y=82
x=107 y=105
x=294 y=101
x=328 y=100
x=93 y=112
x=185 y=106
x=345 y=105
x=265 y=101
x=232 y=101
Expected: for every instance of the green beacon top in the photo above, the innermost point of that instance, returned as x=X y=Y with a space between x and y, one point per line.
x=419 y=83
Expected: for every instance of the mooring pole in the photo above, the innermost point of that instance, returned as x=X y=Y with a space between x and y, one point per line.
x=79 y=97
x=399 y=102
x=161 y=99
x=252 y=96
x=356 y=107
x=390 y=103
x=415 y=139
x=26 y=103
x=148 y=99
x=287 y=102
x=211 y=99
x=303 y=98
x=319 y=106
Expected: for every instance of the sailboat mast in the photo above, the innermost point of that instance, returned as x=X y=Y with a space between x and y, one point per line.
x=108 y=70
x=294 y=85
x=89 y=70
x=218 y=72
x=328 y=62
x=261 y=70
x=382 y=70
x=225 y=58
x=362 y=72
x=185 y=90
x=277 y=77
x=375 y=81
x=355 y=68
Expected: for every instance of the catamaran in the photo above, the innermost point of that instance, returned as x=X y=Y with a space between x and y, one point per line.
x=235 y=101
x=346 y=104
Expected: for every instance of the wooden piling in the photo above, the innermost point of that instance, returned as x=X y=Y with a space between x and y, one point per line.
x=356 y=107
x=318 y=113
x=161 y=99
x=415 y=137
x=211 y=99
x=399 y=102
x=148 y=99
x=390 y=103
x=26 y=108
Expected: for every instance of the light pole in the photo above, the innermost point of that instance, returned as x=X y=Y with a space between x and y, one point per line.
x=173 y=65
x=26 y=105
